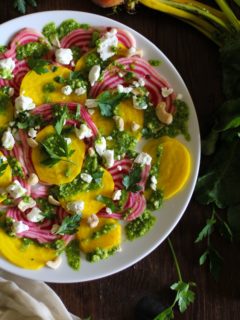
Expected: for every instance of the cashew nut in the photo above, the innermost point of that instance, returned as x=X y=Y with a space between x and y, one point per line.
x=33 y=179
x=119 y=122
x=53 y=201
x=54 y=264
x=163 y=116
x=32 y=143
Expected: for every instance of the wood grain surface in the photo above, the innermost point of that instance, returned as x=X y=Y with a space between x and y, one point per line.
x=114 y=297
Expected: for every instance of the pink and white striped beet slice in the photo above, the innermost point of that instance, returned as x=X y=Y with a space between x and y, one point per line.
x=154 y=82
x=125 y=165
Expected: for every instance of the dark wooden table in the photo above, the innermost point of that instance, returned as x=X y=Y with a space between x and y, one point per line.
x=114 y=297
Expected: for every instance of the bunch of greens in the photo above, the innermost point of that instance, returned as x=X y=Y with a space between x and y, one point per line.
x=21 y=5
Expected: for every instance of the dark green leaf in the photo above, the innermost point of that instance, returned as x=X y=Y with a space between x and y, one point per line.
x=228 y=116
x=167 y=314
x=32 y=3
x=209 y=144
x=105 y=109
x=215 y=262
x=203 y=258
x=69 y=224
x=207 y=230
x=107 y=101
x=38 y=65
x=3 y=167
x=3 y=49
x=233 y=216
x=61 y=115
x=108 y=202
x=20 y=5
x=185 y=296
x=130 y=181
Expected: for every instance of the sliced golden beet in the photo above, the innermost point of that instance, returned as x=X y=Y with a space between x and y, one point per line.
x=105 y=125
x=91 y=205
x=175 y=165
x=63 y=171
x=6 y=111
x=36 y=86
x=29 y=257
x=6 y=177
x=112 y=237
x=131 y=115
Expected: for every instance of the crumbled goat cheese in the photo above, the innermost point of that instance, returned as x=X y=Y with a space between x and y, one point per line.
x=94 y=74
x=93 y=221
x=108 y=211
x=23 y=103
x=107 y=43
x=6 y=67
x=166 y=92
x=122 y=89
x=86 y=177
x=67 y=90
x=32 y=133
x=139 y=103
x=143 y=158
x=68 y=140
x=108 y=156
x=75 y=207
x=135 y=126
x=64 y=56
x=16 y=190
x=100 y=145
x=80 y=91
x=19 y=227
x=91 y=103
x=83 y=132
x=117 y=195
x=8 y=140
x=35 y=215
x=25 y=204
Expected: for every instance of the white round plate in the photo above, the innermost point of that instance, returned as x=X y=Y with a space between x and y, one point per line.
x=171 y=211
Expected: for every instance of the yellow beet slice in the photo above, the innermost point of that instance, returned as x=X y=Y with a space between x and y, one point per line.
x=105 y=241
x=30 y=257
x=105 y=125
x=6 y=177
x=33 y=84
x=91 y=205
x=61 y=172
x=6 y=112
x=175 y=165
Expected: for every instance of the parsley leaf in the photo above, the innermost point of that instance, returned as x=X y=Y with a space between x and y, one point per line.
x=185 y=296
x=61 y=115
x=20 y=5
x=69 y=224
x=3 y=166
x=38 y=65
x=130 y=181
x=108 y=202
x=107 y=101
x=207 y=230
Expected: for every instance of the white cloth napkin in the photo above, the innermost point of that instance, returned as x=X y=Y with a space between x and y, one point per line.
x=24 y=299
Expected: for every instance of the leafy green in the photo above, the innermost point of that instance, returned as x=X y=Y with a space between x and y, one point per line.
x=20 y=5
x=108 y=202
x=108 y=100
x=16 y=167
x=207 y=230
x=69 y=224
x=215 y=261
x=25 y=120
x=4 y=102
x=38 y=65
x=48 y=210
x=3 y=166
x=3 y=49
x=130 y=181
x=60 y=116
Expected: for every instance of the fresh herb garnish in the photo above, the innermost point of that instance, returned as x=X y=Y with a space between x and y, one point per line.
x=48 y=210
x=3 y=49
x=21 y=5
x=4 y=102
x=38 y=65
x=3 y=166
x=131 y=181
x=56 y=149
x=69 y=224
x=48 y=87
x=25 y=120
x=108 y=202
x=108 y=100
x=16 y=167
x=60 y=117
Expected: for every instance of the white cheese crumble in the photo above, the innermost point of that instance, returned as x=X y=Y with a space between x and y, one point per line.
x=143 y=158
x=166 y=92
x=91 y=103
x=107 y=43
x=93 y=221
x=19 y=227
x=83 y=132
x=25 y=204
x=75 y=207
x=108 y=157
x=68 y=140
x=23 y=103
x=135 y=126
x=100 y=145
x=91 y=111
x=3 y=159
x=122 y=89
x=86 y=177
x=131 y=51
x=32 y=133
x=16 y=190
x=6 y=68
x=108 y=210
x=35 y=215
x=94 y=74
x=153 y=184
x=117 y=195
x=67 y=90
x=119 y=168
x=80 y=91
x=63 y=56
x=139 y=102
x=8 y=140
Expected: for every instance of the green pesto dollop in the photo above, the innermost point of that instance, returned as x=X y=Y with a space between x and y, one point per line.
x=5 y=101
x=16 y=167
x=104 y=230
x=140 y=226
x=154 y=129
x=123 y=143
x=100 y=254
x=73 y=254
x=156 y=199
x=32 y=49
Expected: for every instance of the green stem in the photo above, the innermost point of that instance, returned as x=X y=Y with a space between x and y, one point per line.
x=175 y=259
x=229 y=13
x=237 y=2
